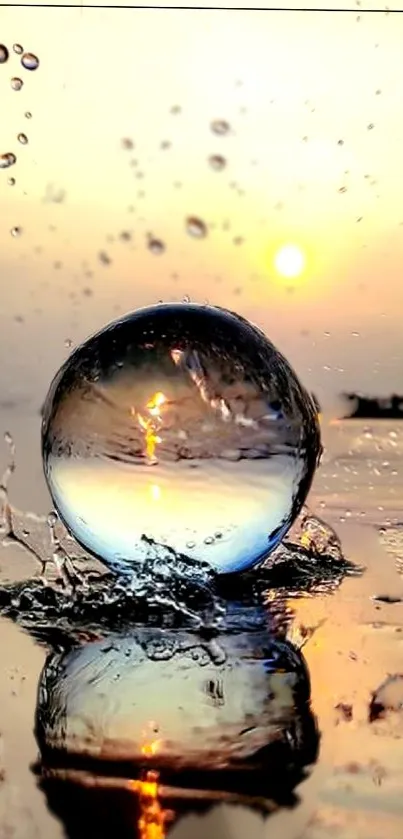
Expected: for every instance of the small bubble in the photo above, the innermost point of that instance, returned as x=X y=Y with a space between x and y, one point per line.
x=7 y=160
x=16 y=83
x=127 y=143
x=156 y=246
x=30 y=61
x=3 y=54
x=220 y=127
x=16 y=231
x=104 y=258
x=370 y=126
x=18 y=49
x=23 y=139
x=217 y=162
x=11 y=181
x=196 y=227
x=28 y=115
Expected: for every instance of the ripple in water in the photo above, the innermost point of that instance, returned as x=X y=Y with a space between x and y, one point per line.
x=182 y=429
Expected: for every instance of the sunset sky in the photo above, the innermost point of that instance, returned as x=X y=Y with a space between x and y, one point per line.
x=313 y=160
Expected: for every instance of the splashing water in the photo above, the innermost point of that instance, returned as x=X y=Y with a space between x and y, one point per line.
x=72 y=594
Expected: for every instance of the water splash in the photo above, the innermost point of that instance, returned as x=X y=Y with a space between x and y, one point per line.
x=71 y=594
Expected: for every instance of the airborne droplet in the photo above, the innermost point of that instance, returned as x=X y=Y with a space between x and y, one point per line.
x=3 y=54
x=28 y=115
x=220 y=127
x=30 y=61
x=156 y=246
x=7 y=160
x=16 y=83
x=18 y=49
x=23 y=139
x=16 y=231
x=196 y=227
x=217 y=162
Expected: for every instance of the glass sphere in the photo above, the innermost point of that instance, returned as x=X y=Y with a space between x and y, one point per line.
x=181 y=426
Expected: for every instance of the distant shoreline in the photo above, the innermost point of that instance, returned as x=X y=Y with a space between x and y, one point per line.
x=365 y=407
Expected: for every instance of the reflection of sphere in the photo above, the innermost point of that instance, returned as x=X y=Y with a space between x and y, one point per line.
x=171 y=701
x=180 y=425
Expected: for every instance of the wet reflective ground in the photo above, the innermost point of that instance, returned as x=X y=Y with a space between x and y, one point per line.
x=351 y=643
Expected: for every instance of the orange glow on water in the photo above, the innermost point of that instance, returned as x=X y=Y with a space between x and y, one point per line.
x=150 y=425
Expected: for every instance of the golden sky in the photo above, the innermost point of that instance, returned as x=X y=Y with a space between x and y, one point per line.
x=313 y=158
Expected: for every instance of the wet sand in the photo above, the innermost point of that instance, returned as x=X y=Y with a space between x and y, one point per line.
x=356 y=788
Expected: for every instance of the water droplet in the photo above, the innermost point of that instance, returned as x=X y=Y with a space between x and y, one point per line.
x=28 y=115
x=3 y=54
x=127 y=143
x=68 y=342
x=30 y=61
x=52 y=519
x=104 y=258
x=217 y=162
x=156 y=246
x=124 y=483
x=16 y=83
x=11 y=181
x=18 y=49
x=7 y=160
x=196 y=227
x=23 y=139
x=16 y=231
x=220 y=127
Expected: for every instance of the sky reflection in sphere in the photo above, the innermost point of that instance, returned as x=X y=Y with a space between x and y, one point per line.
x=181 y=426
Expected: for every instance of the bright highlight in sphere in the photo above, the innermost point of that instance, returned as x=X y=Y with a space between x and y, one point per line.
x=289 y=261
x=179 y=428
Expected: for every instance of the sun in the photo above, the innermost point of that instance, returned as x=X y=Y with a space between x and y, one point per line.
x=289 y=261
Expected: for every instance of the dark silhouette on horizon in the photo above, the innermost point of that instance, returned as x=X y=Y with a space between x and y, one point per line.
x=366 y=407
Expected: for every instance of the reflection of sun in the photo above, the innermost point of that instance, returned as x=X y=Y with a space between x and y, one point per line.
x=289 y=261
